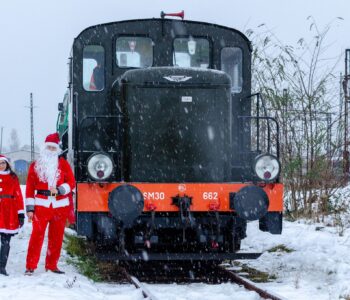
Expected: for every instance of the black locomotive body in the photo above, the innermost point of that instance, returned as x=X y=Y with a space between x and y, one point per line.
x=157 y=123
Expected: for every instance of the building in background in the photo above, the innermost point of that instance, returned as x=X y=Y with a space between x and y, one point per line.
x=20 y=161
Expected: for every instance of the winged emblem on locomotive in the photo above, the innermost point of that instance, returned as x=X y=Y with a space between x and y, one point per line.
x=177 y=78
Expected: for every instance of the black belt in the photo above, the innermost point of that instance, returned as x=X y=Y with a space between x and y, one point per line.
x=46 y=193
x=7 y=196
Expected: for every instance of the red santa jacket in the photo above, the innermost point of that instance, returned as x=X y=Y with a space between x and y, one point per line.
x=11 y=203
x=65 y=180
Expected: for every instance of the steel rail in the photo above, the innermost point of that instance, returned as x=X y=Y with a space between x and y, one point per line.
x=249 y=285
x=145 y=292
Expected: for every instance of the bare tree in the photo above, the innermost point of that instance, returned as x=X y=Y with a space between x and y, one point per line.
x=299 y=87
x=14 y=143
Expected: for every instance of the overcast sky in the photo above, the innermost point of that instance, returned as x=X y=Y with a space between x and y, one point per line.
x=37 y=35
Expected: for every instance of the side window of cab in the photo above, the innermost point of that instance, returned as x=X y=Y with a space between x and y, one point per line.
x=93 y=68
x=231 y=63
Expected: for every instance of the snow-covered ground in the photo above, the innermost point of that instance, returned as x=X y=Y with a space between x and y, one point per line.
x=72 y=285
x=319 y=268
x=47 y=285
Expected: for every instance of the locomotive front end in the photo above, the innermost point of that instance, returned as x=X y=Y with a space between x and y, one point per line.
x=178 y=148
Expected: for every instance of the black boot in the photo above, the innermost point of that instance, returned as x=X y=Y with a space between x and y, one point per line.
x=29 y=272
x=3 y=272
x=4 y=252
x=57 y=271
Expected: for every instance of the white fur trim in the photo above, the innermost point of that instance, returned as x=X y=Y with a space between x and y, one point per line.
x=51 y=144
x=52 y=200
x=66 y=188
x=30 y=201
x=60 y=203
x=43 y=202
x=4 y=172
x=21 y=211
x=3 y=230
x=4 y=158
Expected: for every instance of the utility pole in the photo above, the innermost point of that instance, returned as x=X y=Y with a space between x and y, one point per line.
x=340 y=115
x=31 y=128
x=2 y=129
x=346 y=105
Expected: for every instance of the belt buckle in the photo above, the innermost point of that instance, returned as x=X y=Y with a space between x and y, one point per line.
x=53 y=194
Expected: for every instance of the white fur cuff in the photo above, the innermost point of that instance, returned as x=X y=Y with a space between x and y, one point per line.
x=66 y=188
x=30 y=201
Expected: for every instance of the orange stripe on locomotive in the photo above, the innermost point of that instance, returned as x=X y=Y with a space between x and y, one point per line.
x=93 y=197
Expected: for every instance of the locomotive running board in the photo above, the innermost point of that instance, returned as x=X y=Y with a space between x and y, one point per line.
x=112 y=256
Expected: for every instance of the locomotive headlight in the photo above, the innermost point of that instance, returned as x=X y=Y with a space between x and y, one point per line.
x=267 y=167
x=100 y=166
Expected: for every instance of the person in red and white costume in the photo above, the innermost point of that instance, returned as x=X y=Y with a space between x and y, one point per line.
x=49 y=183
x=11 y=209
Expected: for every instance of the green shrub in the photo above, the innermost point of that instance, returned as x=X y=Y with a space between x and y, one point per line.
x=82 y=258
x=281 y=248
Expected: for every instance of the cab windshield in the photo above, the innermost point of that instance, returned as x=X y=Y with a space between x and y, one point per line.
x=134 y=52
x=191 y=52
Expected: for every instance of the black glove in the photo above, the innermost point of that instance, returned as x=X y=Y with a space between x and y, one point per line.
x=21 y=219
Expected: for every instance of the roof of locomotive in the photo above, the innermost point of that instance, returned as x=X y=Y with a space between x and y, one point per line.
x=219 y=27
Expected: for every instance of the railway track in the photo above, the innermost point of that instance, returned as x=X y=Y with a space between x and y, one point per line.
x=249 y=285
x=207 y=274
x=134 y=281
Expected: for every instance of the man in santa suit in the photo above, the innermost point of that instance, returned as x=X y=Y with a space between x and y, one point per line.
x=49 y=183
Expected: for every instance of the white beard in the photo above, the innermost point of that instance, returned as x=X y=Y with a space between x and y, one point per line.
x=46 y=167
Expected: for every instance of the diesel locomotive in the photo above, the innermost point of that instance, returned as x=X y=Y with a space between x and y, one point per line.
x=171 y=152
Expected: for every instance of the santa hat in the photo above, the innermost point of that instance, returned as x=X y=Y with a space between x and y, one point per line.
x=3 y=157
x=52 y=140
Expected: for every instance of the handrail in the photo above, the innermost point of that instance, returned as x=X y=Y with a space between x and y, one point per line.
x=269 y=139
x=268 y=124
x=76 y=132
x=259 y=96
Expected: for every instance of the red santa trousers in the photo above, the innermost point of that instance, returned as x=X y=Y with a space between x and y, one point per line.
x=56 y=218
